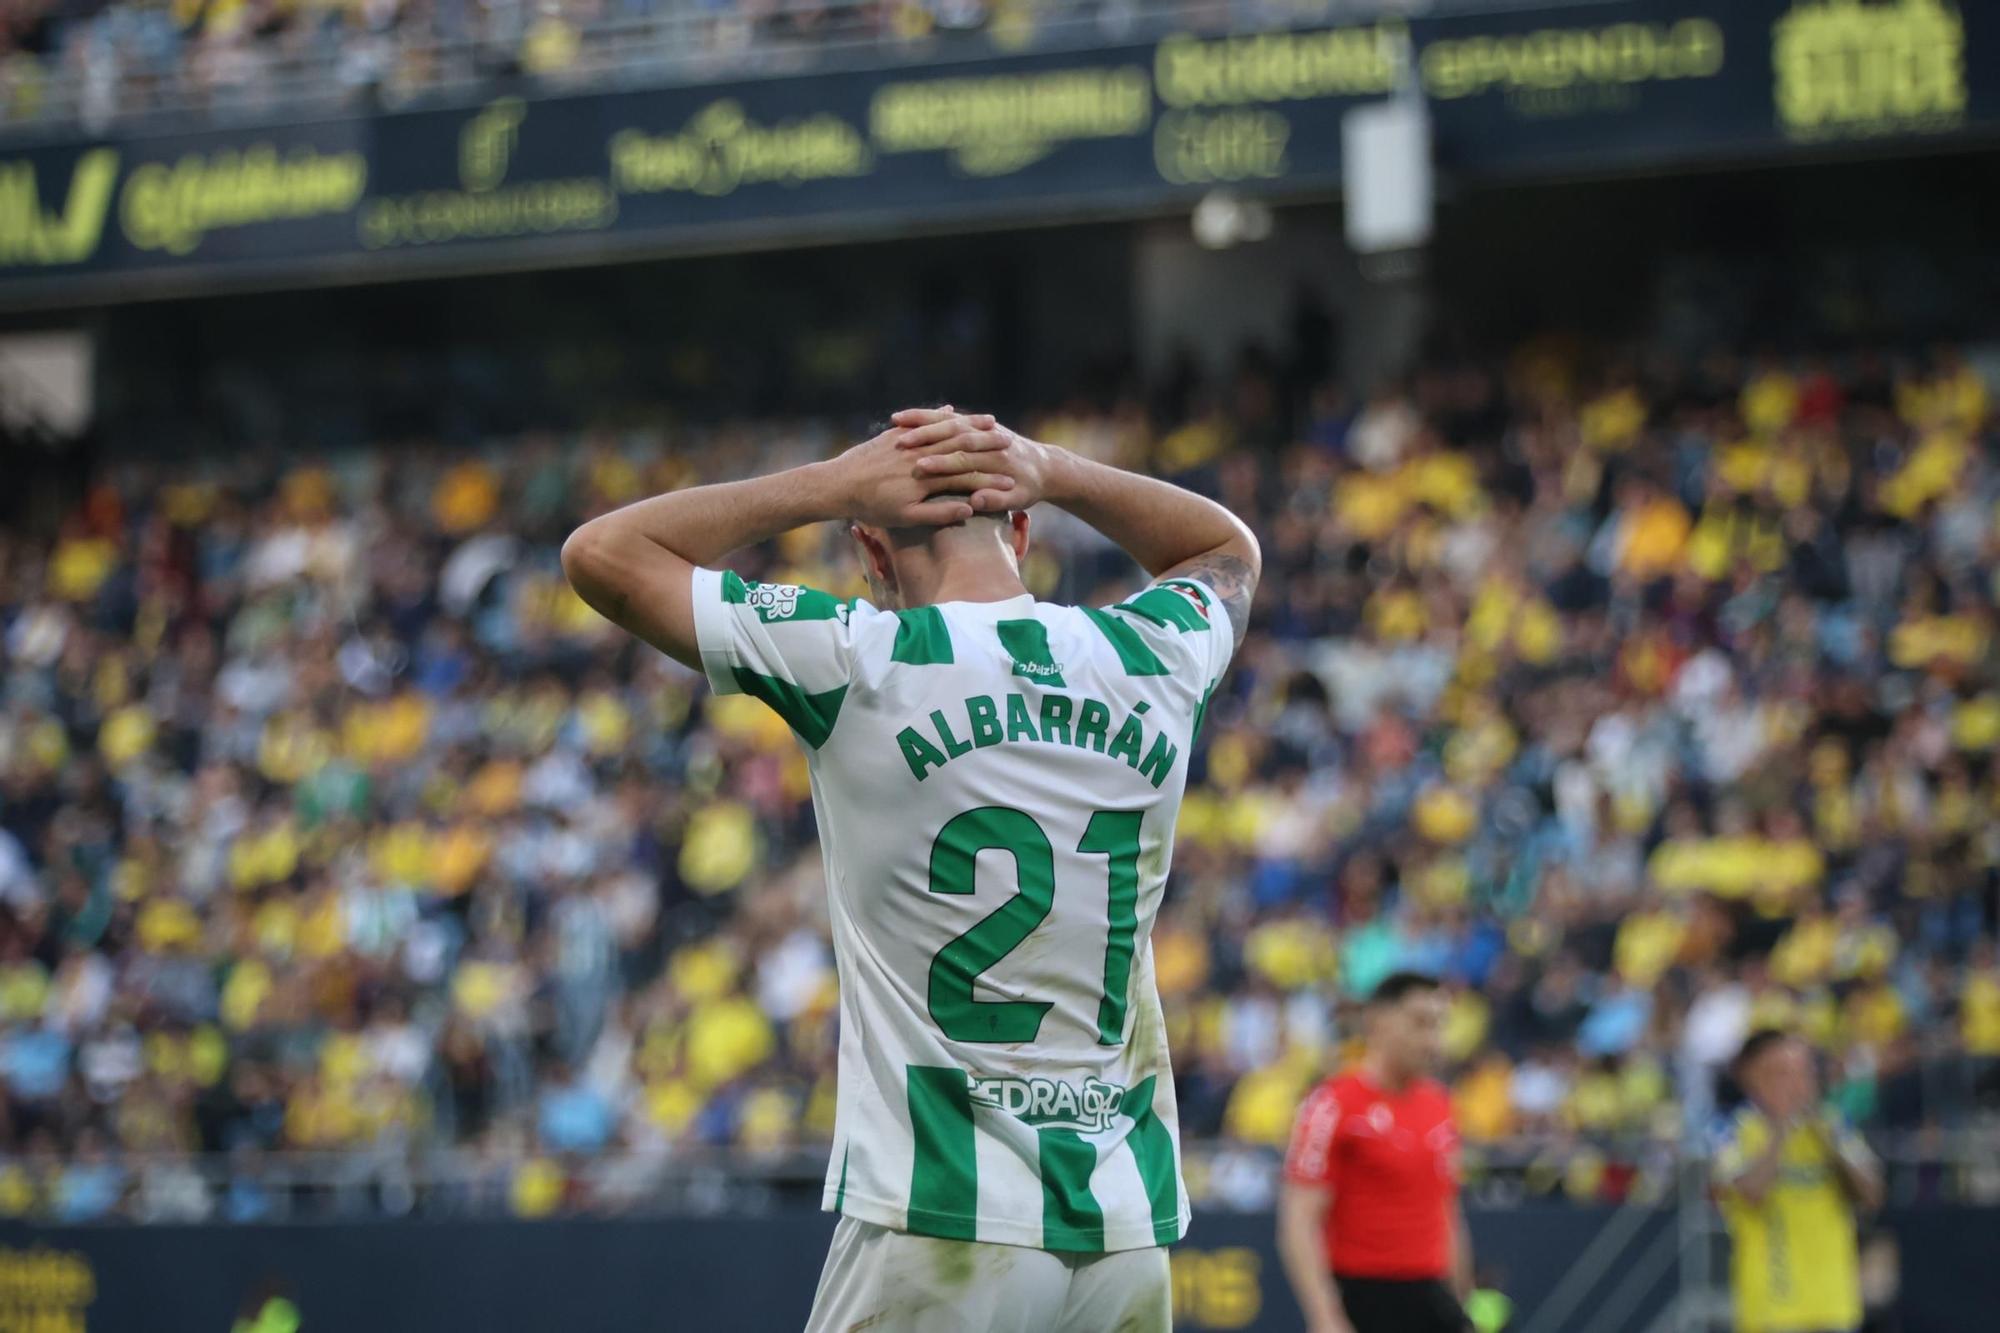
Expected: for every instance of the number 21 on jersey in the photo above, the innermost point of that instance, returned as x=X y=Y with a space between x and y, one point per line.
x=1113 y=834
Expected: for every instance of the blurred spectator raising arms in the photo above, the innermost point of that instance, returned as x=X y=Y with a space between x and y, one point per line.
x=1792 y=1178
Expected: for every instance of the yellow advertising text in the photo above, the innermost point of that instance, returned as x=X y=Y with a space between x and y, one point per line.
x=721 y=148
x=998 y=124
x=170 y=206
x=30 y=235
x=1844 y=69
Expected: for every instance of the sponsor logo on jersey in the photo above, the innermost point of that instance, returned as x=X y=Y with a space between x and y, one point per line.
x=773 y=601
x=1049 y=1103
x=1043 y=669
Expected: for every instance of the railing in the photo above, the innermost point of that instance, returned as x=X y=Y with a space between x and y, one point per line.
x=1959 y=1166
x=127 y=63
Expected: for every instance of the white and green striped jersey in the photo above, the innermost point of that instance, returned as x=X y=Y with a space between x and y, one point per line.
x=996 y=785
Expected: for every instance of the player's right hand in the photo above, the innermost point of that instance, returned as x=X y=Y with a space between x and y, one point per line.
x=1010 y=471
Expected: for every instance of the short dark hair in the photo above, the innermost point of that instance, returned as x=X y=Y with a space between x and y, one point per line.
x=1754 y=1045
x=1399 y=984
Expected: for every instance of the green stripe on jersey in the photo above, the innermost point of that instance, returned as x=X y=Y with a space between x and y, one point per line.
x=840 y=1195
x=1116 y=834
x=944 y=1180
x=1133 y=654
x=922 y=638
x=1027 y=642
x=1153 y=1150
x=810 y=715
x=1071 y=1219
x=1201 y=713
x=1164 y=606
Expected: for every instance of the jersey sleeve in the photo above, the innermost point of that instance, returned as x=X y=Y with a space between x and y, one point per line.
x=1310 y=1157
x=1184 y=620
x=785 y=644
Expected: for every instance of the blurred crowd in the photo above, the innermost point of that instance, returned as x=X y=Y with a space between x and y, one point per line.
x=1646 y=704
x=97 y=60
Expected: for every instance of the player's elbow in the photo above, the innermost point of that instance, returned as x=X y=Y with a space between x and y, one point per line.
x=1241 y=546
x=1249 y=551
x=587 y=559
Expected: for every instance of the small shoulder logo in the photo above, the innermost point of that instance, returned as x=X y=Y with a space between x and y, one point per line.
x=1200 y=603
x=773 y=601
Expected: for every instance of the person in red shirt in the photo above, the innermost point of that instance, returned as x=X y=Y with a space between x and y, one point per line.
x=1369 y=1223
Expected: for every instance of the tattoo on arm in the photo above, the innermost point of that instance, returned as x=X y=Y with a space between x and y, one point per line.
x=1231 y=577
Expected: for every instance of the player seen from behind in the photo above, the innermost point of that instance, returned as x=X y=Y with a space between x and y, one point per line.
x=996 y=781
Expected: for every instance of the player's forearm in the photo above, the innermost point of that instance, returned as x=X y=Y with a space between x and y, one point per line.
x=1461 y=1256
x=704 y=523
x=1158 y=524
x=1299 y=1232
x=1318 y=1294
x=633 y=565
x=1860 y=1172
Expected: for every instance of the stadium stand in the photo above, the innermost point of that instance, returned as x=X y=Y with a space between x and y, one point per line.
x=102 y=60
x=333 y=821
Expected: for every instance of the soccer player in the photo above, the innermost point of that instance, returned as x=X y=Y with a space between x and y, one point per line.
x=1369 y=1224
x=996 y=781
x=1790 y=1179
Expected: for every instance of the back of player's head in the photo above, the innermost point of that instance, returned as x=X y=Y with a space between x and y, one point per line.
x=1395 y=987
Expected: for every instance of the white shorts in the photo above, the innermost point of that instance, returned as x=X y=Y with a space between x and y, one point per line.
x=885 y=1281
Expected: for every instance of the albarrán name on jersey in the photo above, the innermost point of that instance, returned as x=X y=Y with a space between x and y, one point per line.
x=1046 y=718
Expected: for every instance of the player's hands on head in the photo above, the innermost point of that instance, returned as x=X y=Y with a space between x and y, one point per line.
x=1006 y=470
x=877 y=483
x=885 y=482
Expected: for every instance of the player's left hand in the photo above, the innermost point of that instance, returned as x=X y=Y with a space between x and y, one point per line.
x=878 y=483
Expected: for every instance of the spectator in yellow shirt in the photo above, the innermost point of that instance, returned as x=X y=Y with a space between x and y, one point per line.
x=1653 y=530
x=1791 y=1181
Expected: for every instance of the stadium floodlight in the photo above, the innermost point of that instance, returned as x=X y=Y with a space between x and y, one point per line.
x=1386 y=172
x=1224 y=218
